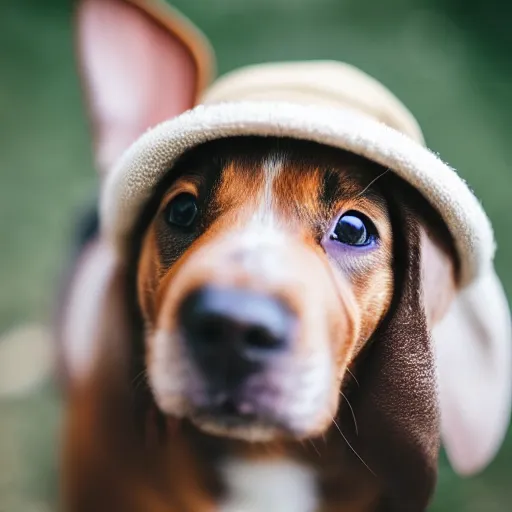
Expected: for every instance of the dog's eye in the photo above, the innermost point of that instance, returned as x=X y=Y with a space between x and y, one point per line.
x=354 y=228
x=181 y=211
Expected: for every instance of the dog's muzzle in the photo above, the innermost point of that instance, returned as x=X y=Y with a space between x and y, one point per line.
x=232 y=334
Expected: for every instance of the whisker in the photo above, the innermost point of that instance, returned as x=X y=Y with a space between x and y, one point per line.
x=314 y=447
x=353 y=376
x=138 y=380
x=372 y=182
x=351 y=410
x=353 y=450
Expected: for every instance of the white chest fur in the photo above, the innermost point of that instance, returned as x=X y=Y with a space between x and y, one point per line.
x=268 y=486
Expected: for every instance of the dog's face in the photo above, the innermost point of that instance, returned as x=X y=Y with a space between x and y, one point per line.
x=264 y=271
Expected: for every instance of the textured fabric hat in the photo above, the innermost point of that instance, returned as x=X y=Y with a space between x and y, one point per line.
x=327 y=102
x=335 y=104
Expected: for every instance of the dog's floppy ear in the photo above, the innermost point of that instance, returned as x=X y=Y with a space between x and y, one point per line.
x=396 y=401
x=471 y=334
x=473 y=346
x=141 y=63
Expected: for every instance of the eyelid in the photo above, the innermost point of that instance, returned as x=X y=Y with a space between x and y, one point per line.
x=184 y=187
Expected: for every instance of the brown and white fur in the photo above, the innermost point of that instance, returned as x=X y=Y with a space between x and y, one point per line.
x=342 y=413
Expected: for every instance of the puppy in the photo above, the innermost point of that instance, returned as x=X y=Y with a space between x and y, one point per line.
x=264 y=343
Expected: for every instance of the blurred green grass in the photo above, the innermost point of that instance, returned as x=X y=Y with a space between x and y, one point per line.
x=447 y=60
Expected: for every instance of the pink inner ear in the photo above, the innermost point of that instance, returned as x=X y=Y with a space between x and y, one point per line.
x=474 y=357
x=136 y=73
x=438 y=280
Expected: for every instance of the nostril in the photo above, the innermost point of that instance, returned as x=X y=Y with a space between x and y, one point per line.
x=261 y=338
x=209 y=329
x=229 y=407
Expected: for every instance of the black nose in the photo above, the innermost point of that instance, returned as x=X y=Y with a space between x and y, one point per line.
x=235 y=326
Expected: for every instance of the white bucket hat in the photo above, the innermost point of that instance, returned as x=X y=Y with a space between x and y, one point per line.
x=337 y=105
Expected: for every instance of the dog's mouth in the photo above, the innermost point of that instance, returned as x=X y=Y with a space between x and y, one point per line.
x=228 y=414
x=238 y=413
x=230 y=419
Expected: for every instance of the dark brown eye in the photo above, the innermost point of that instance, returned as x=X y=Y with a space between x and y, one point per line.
x=181 y=211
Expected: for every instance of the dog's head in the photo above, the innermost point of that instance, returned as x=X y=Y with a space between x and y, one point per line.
x=266 y=268
x=273 y=273
x=278 y=277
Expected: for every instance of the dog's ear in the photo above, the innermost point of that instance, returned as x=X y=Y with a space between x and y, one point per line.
x=141 y=63
x=471 y=334
x=473 y=351
x=395 y=402
x=93 y=324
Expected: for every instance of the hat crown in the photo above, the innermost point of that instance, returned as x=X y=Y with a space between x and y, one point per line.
x=319 y=83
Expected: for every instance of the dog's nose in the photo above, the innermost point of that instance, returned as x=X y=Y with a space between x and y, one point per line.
x=219 y=322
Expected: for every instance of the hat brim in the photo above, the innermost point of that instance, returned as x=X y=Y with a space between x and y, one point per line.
x=130 y=184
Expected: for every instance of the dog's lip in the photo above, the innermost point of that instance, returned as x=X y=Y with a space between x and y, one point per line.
x=227 y=420
x=227 y=408
x=231 y=413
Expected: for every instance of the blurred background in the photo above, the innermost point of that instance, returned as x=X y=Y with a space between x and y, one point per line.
x=448 y=60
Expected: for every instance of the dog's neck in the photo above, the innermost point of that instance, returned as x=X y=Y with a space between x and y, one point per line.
x=234 y=476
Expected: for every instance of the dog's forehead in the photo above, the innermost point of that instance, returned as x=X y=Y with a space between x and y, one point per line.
x=327 y=173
